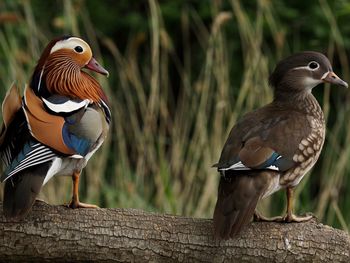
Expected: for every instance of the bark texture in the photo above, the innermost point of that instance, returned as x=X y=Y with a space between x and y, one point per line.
x=127 y=235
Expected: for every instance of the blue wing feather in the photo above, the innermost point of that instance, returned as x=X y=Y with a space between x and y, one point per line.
x=32 y=153
x=269 y=162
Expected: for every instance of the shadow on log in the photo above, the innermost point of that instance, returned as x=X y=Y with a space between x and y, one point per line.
x=56 y=233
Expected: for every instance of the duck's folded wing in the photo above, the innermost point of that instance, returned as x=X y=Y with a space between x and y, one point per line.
x=44 y=126
x=264 y=143
x=71 y=127
x=10 y=107
x=14 y=131
x=255 y=155
x=19 y=150
x=31 y=154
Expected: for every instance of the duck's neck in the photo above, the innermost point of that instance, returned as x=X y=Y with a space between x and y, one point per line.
x=65 y=78
x=302 y=101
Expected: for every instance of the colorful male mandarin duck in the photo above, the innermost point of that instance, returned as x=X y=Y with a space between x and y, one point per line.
x=54 y=129
x=273 y=147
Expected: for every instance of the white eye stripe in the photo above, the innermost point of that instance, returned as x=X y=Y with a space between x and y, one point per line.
x=307 y=67
x=303 y=67
x=70 y=43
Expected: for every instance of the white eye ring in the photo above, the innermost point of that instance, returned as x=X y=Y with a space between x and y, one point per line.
x=78 y=49
x=313 y=65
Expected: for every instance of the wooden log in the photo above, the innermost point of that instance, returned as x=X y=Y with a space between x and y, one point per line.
x=56 y=233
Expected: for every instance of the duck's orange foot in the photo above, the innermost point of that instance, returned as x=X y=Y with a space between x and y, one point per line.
x=288 y=218
x=77 y=204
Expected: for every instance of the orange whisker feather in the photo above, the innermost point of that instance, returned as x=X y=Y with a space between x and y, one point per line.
x=64 y=77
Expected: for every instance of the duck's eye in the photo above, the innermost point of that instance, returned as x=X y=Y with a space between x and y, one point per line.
x=78 y=49
x=313 y=65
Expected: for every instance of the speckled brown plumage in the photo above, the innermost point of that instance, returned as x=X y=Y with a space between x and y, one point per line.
x=275 y=146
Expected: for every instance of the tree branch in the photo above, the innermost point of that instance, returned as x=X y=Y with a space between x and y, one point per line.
x=128 y=235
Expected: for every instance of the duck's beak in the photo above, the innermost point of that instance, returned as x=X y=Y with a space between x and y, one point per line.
x=332 y=78
x=95 y=66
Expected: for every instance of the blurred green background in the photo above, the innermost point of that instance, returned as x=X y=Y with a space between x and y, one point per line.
x=181 y=74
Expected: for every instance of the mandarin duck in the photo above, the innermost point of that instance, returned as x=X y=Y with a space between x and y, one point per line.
x=273 y=147
x=54 y=129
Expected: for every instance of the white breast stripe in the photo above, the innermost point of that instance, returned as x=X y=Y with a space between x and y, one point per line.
x=66 y=107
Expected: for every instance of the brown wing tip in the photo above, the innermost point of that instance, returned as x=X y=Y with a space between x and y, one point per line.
x=236 y=203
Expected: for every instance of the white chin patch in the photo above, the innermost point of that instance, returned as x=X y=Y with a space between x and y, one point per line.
x=310 y=82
